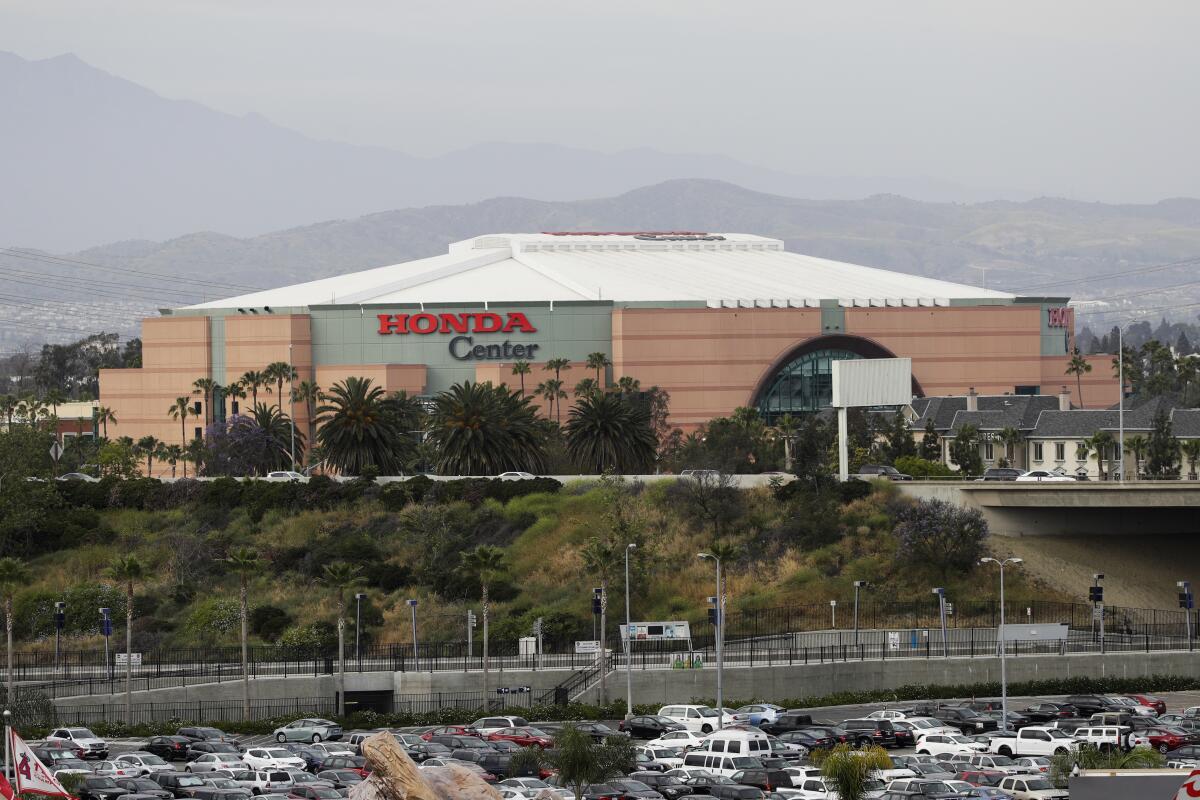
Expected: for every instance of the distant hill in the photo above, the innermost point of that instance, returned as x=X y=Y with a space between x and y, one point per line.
x=94 y=158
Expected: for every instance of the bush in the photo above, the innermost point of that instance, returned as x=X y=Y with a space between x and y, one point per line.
x=922 y=468
x=269 y=622
x=941 y=535
x=852 y=490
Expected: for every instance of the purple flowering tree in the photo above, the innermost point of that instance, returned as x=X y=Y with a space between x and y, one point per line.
x=238 y=447
x=941 y=535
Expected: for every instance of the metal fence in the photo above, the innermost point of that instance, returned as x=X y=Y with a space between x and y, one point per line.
x=194 y=711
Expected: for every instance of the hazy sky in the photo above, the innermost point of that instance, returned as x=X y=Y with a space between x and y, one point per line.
x=1083 y=98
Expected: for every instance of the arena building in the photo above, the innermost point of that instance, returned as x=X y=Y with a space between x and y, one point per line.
x=717 y=320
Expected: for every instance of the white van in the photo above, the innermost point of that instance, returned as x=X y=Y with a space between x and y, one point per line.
x=738 y=742
x=697 y=719
x=720 y=763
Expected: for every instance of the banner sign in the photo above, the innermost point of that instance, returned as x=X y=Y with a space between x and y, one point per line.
x=31 y=774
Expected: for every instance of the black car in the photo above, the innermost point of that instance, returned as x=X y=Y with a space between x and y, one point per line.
x=668 y=786
x=835 y=732
x=340 y=778
x=736 y=792
x=649 y=726
x=871 y=471
x=177 y=783
x=460 y=742
x=499 y=764
x=766 y=779
x=1187 y=751
x=311 y=757
x=1070 y=725
x=1000 y=474
x=631 y=787
x=808 y=739
x=967 y=720
x=207 y=792
x=871 y=731
x=787 y=721
x=99 y=787
x=49 y=754
x=200 y=734
x=597 y=730
x=342 y=762
x=172 y=748
x=197 y=749
x=1047 y=711
x=420 y=752
x=144 y=786
x=1088 y=704
x=1016 y=720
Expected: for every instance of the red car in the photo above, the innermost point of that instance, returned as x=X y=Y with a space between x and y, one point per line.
x=450 y=730
x=1151 y=701
x=1166 y=739
x=525 y=737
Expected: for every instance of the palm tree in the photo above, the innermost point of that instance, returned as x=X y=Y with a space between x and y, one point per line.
x=8 y=406
x=235 y=392
x=1010 y=437
x=341 y=577
x=205 y=387
x=278 y=428
x=128 y=570
x=786 y=427
x=598 y=362
x=1101 y=443
x=552 y=389
x=193 y=452
x=1078 y=366
x=172 y=454
x=1088 y=756
x=628 y=385
x=244 y=562
x=357 y=431
x=1191 y=452
x=104 y=415
x=54 y=398
x=607 y=433
x=280 y=371
x=484 y=565
x=150 y=447
x=481 y=429
x=521 y=368
x=13 y=575
x=851 y=771
x=577 y=759
x=586 y=386
x=557 y=365
x=309 y=393
x=1137 y=445
x=253 y=380
x=180 y=411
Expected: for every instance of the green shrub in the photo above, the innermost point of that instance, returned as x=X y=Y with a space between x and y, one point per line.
x=269 y=622
x=923 y=468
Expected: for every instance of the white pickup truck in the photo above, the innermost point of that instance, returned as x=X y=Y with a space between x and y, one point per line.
x=1033 y=741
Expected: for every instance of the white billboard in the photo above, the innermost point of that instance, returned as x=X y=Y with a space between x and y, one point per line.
x=872 y=382
x=1023 y=632
x=658 y=631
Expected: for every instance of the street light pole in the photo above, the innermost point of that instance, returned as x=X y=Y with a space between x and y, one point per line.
x=1185 y=602
x=1120 y=401
x=833 y=615
x=412 y=604
x=719 y=635
x=857 y=585
x=628 y=639
x=941 y=595
x=60 y=621
x=292 y=405
x=358 y=598
x=106 y=629
x=1000 y=638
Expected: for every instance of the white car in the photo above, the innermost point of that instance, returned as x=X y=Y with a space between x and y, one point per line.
x=799 y=774
x=1044 y=476
x=271 y=758
x=1033 y=764
x=677 y=739
x=489 y=725
x=939 y=744
x=333 y=749
x=669 y=757
x=1032 y=787
x=887 y=714
x=530 y=787
x=924 y=726
x=214 y=761
x=515 y=476
x=91 y=744
x=144 y=763
x=697 y=719
x=115 y=769
x=285 y=475
x=269 y=781
x=819 y=788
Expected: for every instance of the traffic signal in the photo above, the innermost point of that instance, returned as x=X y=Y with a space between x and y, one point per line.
x=1185 y=600
x=712 y=611
x=1096 y=594
x=597 y=606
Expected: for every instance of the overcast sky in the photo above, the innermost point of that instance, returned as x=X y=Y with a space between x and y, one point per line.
x=1082 y=98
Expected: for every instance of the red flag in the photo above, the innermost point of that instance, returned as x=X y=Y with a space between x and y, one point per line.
x=6 y=790
x=32 y=775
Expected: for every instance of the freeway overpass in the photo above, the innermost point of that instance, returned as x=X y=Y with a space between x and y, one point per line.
x=1078 y=508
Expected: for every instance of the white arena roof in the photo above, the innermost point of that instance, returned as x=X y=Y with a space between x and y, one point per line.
x=718 y=269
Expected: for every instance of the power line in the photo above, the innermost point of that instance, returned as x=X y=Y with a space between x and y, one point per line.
x=51 y=259
x=70 y=282
x=1122 y=273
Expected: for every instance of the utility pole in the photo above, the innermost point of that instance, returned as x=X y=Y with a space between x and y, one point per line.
x=60 y=621
x=470 y=633
x=358 y=598
x=1001 y=639
x=857 y=586
x=941 y=595
x=1186 y=603
x=628 y=639
x=412 y=605
x=718 y=631
x=1096 y=595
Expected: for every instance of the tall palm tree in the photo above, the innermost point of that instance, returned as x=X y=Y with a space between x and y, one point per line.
x=482 y=429
x=605 y=432
x=54 y=398
x=1102 y=444
x=104 y=415
x=172 y=454
x=357 y=431
x=149 y=446
x=13 y=575
x=309 y=393
x=244 y=562
x=1137 y=446
x=586 y=386
x=1010 y=437
x=280 y=371
x=1078 y=366
x=628 y=385
x=341 y=577
x=557 y=365
x=180 y=411
x=553 y=390
x=205 y=387
x=253 y=380
x=599 y=362
x=484 y=565
x=128 y=570
x=521 y=368
x=235 y=392
x=278 y=428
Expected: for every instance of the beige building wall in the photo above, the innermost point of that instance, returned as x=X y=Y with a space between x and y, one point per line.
x=408 y=378
x=500 y=372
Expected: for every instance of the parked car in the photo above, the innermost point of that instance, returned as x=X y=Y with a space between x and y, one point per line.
x=940 y=744
x=808 y=739
x=177 y=783
x=72 y=766
x=208 y=762
x=229 y=785
x=1045 y=476
x=787 y=721
x=451 y=730
x=681 y=739
x=143 y=763
x=265 y=781
x=597 y=730
x=354 y=763
x=1164 y=740
x=766 y=779
x=1088 y=704
x=669 y=786
x=197 y=733
x=922 y=787
x=1032 y=787
x=112 y=769
x=1034 y=764
x=1035 y=740
x=99 y=787
x=523 y=736
x=965 y=719
x=272 y=757
x=308 y=730
x=144 y=787
x=284 y=475
x=314 y=793
x=197 y=749
x=1048 y=710
x=81 y=739
x=758 y=713
x=1001 y=474
x=341 y=778
x=872 y=471
x=425 y=750
x=698 y=719
x=172 y=748
x=871 y=731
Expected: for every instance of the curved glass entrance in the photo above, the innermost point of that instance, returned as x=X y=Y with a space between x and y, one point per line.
x=803 y=384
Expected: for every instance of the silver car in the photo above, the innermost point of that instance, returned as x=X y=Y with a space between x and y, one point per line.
x=214 y=761
x=308 y=730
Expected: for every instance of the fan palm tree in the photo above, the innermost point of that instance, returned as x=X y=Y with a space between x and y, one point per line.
x=13 y=575
x=484 y=565
x=149 y=446
x=598 y=362
x=1087 y=756
x=235 y=392
x=628 y=385
x=280 y=371
x=557 y=365
x=1102 y=444
x=180 y=411
x=851 y=771
x=785 y=428
x=357 y=431
x=205 y=388
x=128 y=570
x=1191 y=453
x=1137 y=446
x=244 y=562
x=253 y=380
x=340 y=577
x=586 y=386
x=577 y=759
x=482 y=429
x=54 y=398
x=1010 y=437
x=607 y=433
x=278 y=428
x=552 y=390
x=172 y=454
x=309 y=393
x=104 y=415
x=1078 y=366
x=521 y=368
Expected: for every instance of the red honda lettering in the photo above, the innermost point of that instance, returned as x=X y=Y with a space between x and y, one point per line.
x=393 y=323
x=518 y=321
x=423 y=323
x=454 y=322
x=488 y=323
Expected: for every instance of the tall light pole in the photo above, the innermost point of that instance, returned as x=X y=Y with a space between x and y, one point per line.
x=358 y=598
x=941 y=595
x=833 y=615
x=292 y=405
x=719 y=630
x=1186 y=603
x=412 y=604
x=60 y=621
x=106 y=629
x=1096 y=595
x=1000 y=638
x=628 y=639
x=857 y=586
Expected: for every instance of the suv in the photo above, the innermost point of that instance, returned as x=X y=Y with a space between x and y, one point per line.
x=1001 y=474
x=966 y=720
x=787 y=721
x=197 y=734
x=179 y=784
x=81 y=739
x=868 y=471
x=1032 y=787
x=488 y=725
x=871 y=731
x=1088 y=704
